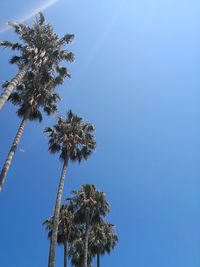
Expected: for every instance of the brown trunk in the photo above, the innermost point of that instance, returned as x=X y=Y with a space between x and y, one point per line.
x=12 y=151
x=12 y=85
x=52 y=249
x=65 y=254
x=86 y=245
x=98 y=260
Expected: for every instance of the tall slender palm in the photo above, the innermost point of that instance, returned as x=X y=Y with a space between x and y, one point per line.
x=75 y=141
x=66 y=228
x=102 y=239
x=90 y=205
x=40 y=50
x=33 y=94
x=35 y=89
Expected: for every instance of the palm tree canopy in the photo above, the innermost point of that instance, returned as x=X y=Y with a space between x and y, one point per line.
x=43 y=51
x=40 y=46
x=66 y=229
x=89 y=204
x=34 y=93
x=76 y=248
x=102 y=238
x=71 y=137
x=69 y=232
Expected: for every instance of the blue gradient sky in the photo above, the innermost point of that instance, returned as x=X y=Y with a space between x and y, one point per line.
x=136 y=77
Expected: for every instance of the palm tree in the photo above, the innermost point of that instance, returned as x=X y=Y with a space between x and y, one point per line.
x=36 y=88
x=102 y=239
x=66 y=229
x=35 y=92
x=89 y=205
x=41 y=50
x=76 y=249
x=75 y=141
x=70 y=235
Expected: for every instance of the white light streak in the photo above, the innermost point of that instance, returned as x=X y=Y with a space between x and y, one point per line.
x=31 y=14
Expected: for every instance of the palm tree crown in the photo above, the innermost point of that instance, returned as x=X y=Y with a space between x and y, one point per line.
x=71 y=137
x=32 y=94
x=102 y=238
x=89 y=204
x=76 y=250
x=40 y=51
x=65 y=227
x=41 y=48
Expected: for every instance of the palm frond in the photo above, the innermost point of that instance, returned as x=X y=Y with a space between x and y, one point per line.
x=41 y=18
x=68 y=38
x=15 y=59
x=15 y=98
x=35 y=115
x=68 y=56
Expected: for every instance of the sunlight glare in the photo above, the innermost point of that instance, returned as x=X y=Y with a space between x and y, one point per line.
x=31 y=13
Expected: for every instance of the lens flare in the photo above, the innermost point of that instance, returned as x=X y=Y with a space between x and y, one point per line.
x=102 y=38
x=31 y=13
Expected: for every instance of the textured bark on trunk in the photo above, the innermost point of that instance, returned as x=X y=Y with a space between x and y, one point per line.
x=98 y=260
x=86 y=245
x=52 y=249
x=65 y=254
x=12 y=85
x=12 y=151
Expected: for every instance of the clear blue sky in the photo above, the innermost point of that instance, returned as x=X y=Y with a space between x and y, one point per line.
x=137 y=78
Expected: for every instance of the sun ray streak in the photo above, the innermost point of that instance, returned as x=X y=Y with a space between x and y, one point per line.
x=101 y=39
x=31 y=13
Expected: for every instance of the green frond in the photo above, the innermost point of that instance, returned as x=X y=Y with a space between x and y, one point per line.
x=12 y=24
x=62 y=71
x=58 y=80
x=50 y=109
x=56 y=97
x=15 y=98
x=21 y=87
x=68 y=56
x=5 y=84
x=16 y=26
x=13 y=46
x=41 y=18
x=15 y=59
x=63 y=155
x=6 y=43
x=48 y=130
x=22 y=111
x=17 y=46
x=54 y=148
x=68 y=38
x=35 y=115
x=70 y=114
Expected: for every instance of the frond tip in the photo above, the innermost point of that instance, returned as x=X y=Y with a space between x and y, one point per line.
x=68 y=38
x=41 y=18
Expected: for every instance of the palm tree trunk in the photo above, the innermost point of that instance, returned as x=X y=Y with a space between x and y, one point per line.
x=65 y=254
x=52 y=249
x=98 y=260
x=12 y=151
x=12 y=85
x=86 y=245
